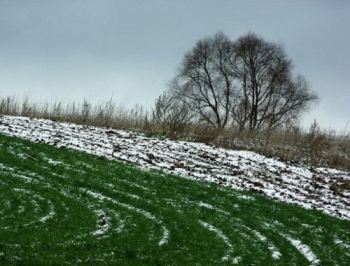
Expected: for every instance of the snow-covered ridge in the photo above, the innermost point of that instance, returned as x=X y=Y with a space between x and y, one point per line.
x=323 y=189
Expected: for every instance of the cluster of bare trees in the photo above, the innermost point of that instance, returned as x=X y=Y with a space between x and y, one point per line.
x=247 y=83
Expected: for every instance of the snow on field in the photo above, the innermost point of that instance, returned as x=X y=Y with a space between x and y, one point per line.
x=321 y=188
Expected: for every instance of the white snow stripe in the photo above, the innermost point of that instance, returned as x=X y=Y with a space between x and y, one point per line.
x=50 y=215
x=275 y=253
x=305 y=250
x=166 y=236
x=211 y=207
x=221 y=235
x=102 y=197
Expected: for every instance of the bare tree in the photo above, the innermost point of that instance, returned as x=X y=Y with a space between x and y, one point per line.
x=204 y=80
x=173 y=115
x=248 y=81
x=268 y=95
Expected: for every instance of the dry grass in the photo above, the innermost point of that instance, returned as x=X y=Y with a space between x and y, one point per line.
x=314 y=148
x=320 y=149
x=106 y=114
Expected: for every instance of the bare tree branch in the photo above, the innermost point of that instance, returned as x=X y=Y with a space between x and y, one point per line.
x=205 y=79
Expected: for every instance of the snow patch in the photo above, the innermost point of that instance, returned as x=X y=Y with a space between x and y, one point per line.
x=236 y=169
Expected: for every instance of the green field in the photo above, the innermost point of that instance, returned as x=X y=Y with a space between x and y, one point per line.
x=64 y=207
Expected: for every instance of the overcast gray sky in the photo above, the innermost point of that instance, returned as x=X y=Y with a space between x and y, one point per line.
x=129 y=49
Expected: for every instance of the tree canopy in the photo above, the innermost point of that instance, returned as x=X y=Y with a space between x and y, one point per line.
x=248 y=82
